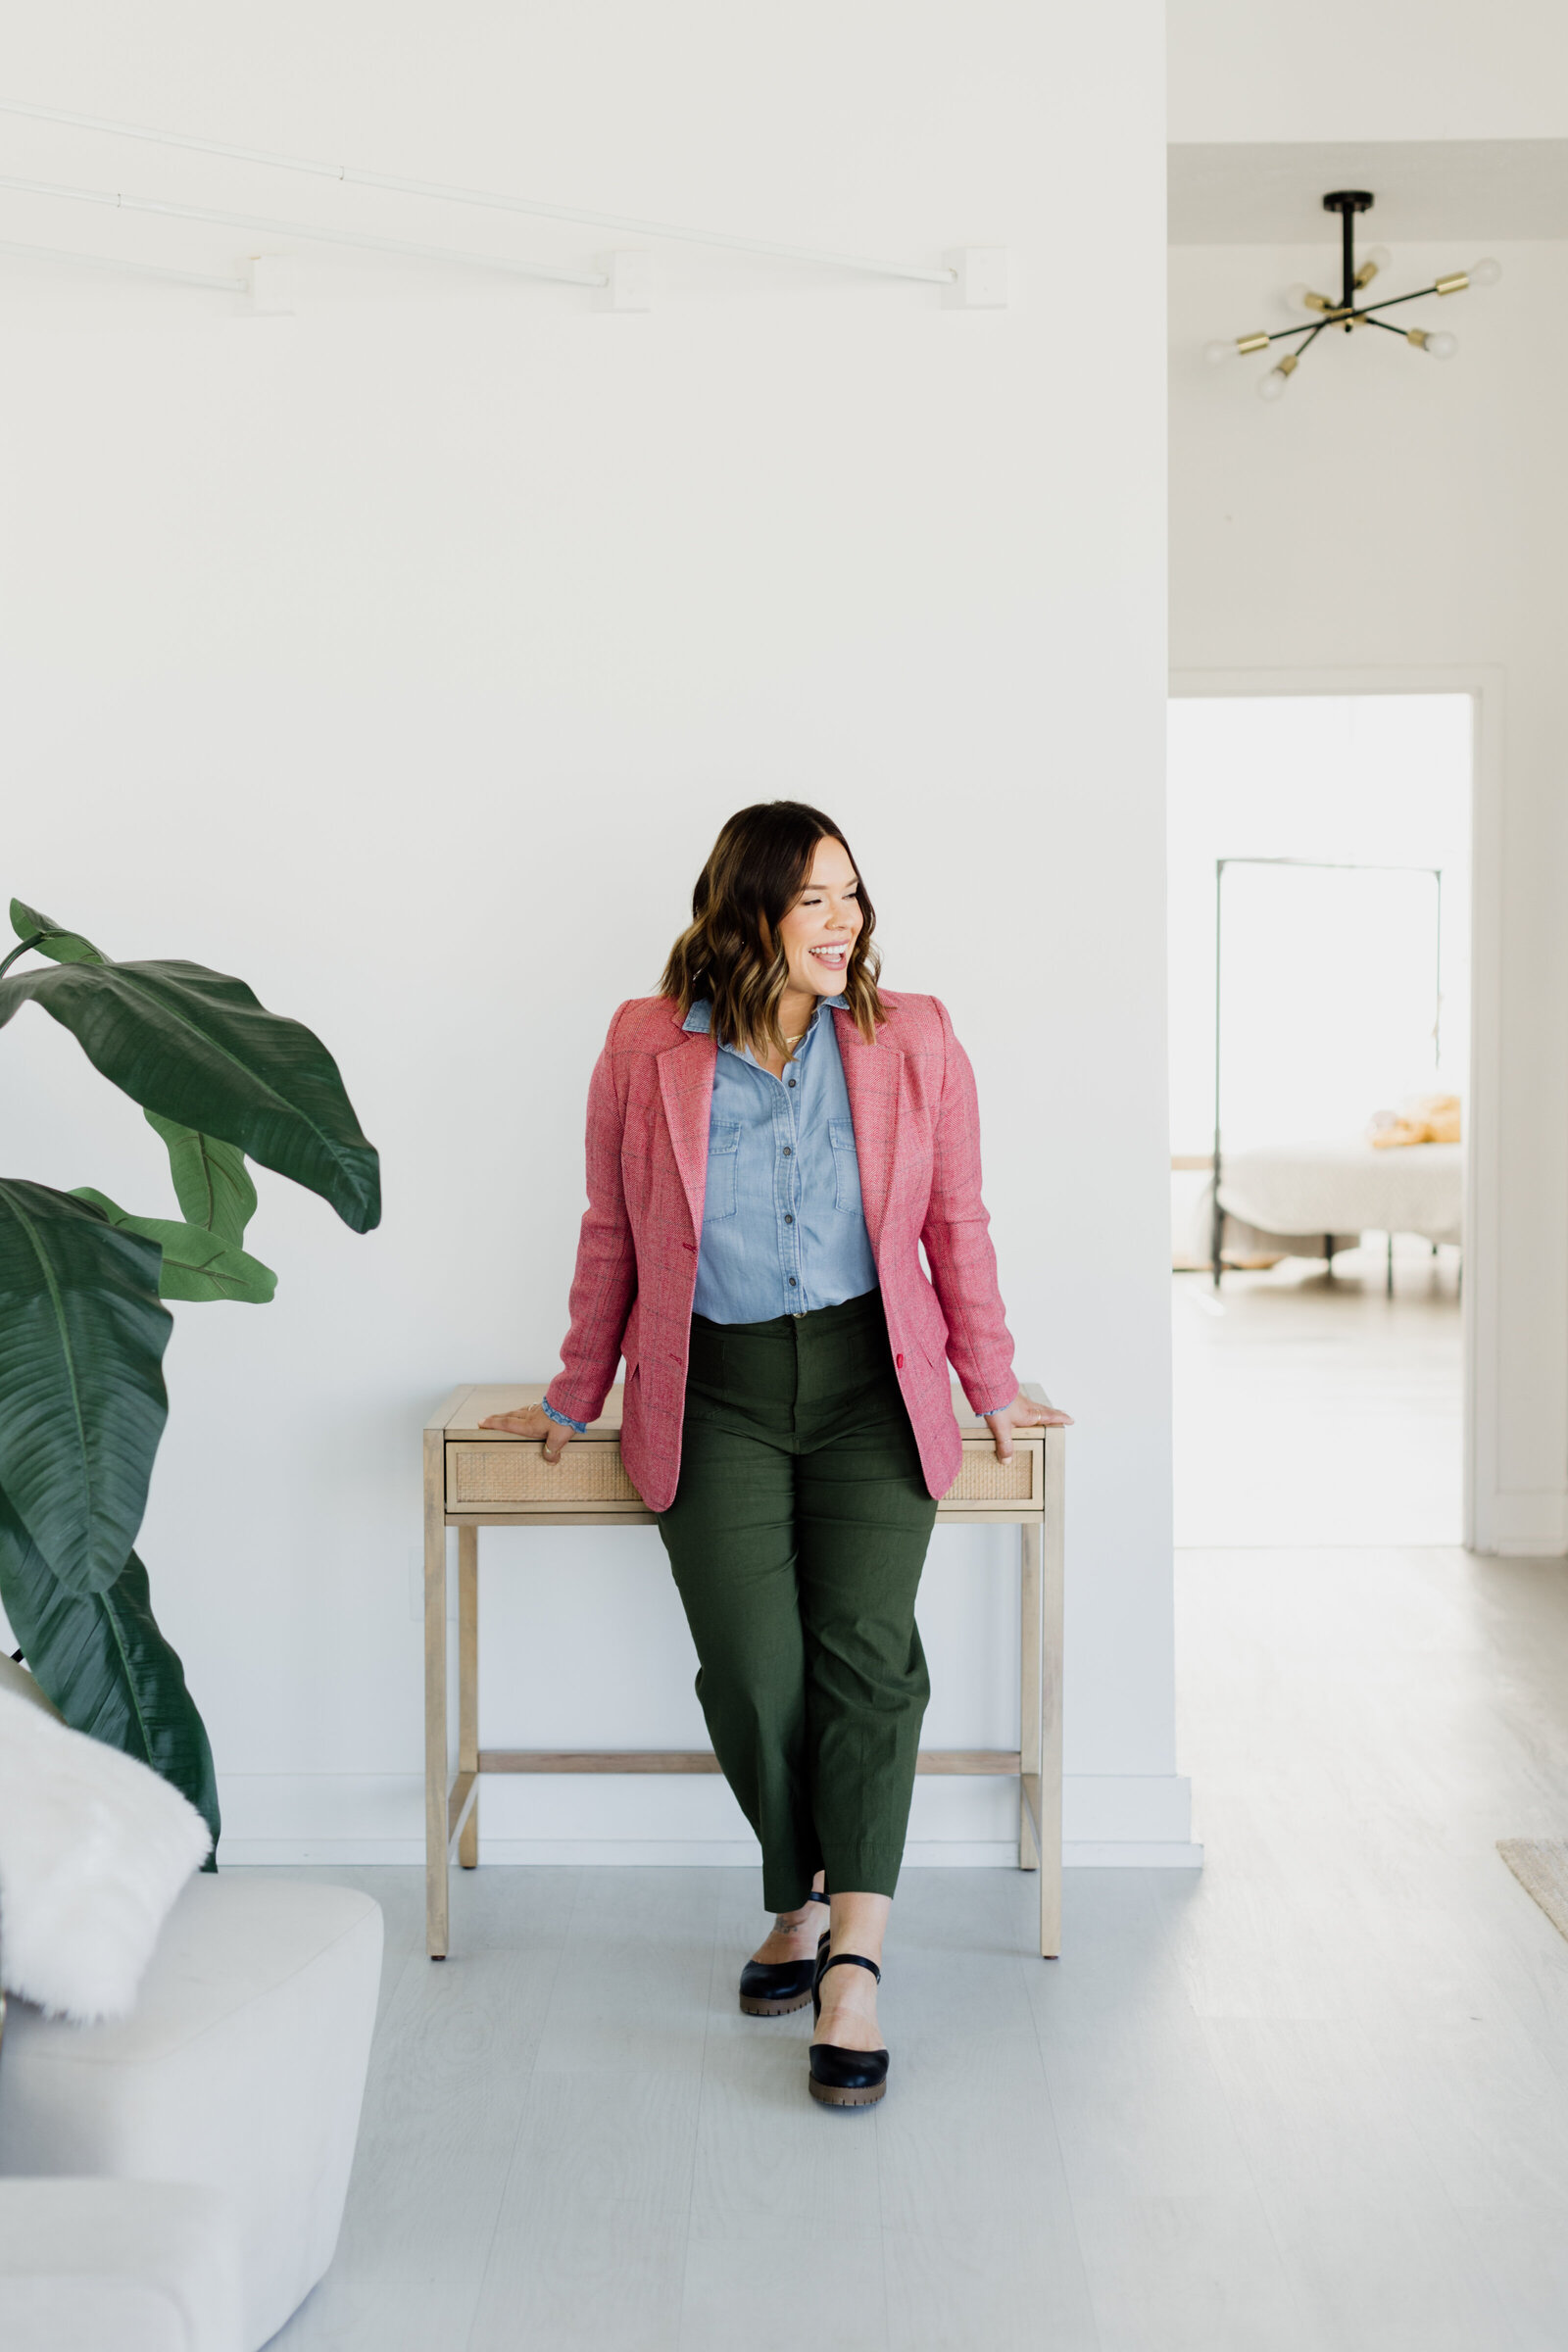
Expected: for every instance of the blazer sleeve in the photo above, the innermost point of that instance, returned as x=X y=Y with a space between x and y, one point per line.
x=603 y=1283
x=957 y=1235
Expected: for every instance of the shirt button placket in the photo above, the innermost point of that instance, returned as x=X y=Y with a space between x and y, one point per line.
x=790 y=1254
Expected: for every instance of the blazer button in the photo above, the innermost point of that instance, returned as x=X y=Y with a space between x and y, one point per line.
x=898 y=1361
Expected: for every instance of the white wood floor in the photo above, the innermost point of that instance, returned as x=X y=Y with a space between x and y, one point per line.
x=1311 y=1410
x=1314 y=2099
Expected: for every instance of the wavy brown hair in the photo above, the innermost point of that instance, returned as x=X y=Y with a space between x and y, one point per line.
x=730 y=951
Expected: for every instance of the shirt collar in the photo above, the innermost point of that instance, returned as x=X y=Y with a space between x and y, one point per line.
x=700 y=1019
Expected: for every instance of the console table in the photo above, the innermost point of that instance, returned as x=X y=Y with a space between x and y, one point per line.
x=478 y=1477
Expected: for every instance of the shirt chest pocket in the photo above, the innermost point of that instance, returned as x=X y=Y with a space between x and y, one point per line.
x=846 y=1167
x=723 y=1151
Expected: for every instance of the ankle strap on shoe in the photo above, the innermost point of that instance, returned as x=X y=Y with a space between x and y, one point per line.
x=850 y=1960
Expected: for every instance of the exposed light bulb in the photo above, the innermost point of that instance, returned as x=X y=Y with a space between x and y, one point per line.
x=1271 y=385
x=1214 y=353
x=1484 y=274
x=1442 y=344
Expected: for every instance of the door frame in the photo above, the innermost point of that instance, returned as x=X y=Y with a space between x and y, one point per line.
x=1485 y=684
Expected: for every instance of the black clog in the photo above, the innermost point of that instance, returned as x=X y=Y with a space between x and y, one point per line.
x=841 y=2077
x=773 y=1988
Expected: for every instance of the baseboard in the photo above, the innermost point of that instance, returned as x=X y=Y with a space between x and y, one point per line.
x=1527 y=1525
x=1086 y=1854
x=1109 y=1820
x=701 y=1853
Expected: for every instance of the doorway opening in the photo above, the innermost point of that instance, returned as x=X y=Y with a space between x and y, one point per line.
x=1319 y=945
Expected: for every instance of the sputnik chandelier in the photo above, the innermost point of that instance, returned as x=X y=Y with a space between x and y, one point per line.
x=1347 y=313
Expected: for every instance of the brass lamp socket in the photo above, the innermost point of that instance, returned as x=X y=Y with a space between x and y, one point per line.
x=1288 y=363
x=1365 y=275
x=1454 y=284
x=1245 y=343
x=1416 y=335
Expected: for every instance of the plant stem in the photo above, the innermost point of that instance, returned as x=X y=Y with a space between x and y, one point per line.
x=21 y=951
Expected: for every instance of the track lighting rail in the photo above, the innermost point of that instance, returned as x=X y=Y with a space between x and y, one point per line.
x=862 y=264
x=129 y=268
x=117 y=202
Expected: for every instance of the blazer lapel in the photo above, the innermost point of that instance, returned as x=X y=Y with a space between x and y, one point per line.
x=686 y=1089
x=873 y=1078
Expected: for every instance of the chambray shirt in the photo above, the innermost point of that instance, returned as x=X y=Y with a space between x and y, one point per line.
x=783 y=1229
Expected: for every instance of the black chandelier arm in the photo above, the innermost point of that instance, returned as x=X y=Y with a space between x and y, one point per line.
x=1387 y=328
x=1420 y=295
x=1281 y=334
x=1312 y=336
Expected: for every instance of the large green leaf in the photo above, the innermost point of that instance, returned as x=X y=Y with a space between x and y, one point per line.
x=50 y=938
x=212 y=1183
x=196 y=1264
x=83 y=1403
x=109 y=1670
x=198 y=1048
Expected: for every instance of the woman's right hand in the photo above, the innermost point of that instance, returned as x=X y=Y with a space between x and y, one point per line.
x=532 y=1421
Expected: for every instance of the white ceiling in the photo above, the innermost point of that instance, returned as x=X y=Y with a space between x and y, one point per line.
x=1273 y=195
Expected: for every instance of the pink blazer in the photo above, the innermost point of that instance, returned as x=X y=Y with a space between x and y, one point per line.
x=917 y=1138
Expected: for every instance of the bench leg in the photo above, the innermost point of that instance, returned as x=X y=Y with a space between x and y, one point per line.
x=435 y=1697
x=468 y=1684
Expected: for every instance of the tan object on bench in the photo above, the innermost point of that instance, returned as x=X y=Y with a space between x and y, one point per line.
x=1423 y=1120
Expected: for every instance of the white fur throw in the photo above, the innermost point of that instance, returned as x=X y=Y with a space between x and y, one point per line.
x=93 y=1850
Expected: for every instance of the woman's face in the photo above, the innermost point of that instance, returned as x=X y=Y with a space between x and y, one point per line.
x=824 y=924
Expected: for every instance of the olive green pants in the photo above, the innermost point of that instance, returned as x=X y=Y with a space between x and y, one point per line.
x=797 y=1537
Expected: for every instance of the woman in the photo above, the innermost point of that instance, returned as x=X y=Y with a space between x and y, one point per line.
x=770 y=1141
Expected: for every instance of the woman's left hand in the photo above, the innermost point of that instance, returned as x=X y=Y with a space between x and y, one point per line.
x=1021 y=1414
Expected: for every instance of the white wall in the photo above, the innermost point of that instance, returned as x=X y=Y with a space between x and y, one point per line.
x=1393 y=514
x=1270 y=69
x=404 y=656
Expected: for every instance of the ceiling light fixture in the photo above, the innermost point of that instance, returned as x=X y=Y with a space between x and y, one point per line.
x=1348 y=313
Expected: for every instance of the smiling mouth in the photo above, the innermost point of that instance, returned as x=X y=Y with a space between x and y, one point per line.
x=835 y=957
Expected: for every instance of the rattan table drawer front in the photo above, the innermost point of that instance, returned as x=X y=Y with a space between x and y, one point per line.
x=983 y=1480
x=516 y=1477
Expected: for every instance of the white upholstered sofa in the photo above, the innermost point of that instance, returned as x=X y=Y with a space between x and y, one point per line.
x=213 y=2126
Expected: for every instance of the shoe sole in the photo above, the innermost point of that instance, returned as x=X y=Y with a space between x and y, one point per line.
x=826 y=2096
x=752 y=2007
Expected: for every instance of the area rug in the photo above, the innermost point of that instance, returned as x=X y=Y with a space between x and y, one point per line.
x=1540 y=1865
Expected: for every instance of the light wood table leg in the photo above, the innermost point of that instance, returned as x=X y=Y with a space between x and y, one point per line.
x=1052 y=1539
x=435 y=1697
x=1028 y=1692
x=468 y=1685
